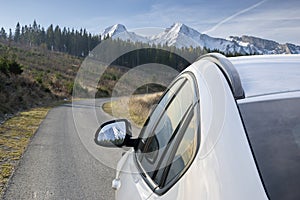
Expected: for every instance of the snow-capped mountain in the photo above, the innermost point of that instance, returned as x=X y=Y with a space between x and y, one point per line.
x=119 y=31
x=111 y=134
x=264 y=46
x=180 y=35
x=114 y=30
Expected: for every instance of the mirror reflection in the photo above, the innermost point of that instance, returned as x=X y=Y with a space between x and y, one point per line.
x=112 y=134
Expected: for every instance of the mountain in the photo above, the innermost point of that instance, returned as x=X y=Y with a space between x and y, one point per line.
x=111 y=134
x=120 y=31
x=180 y=35
x=113 y=30
x=263 y=46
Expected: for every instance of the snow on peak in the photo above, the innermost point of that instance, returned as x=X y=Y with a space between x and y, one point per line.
x=113 y=30
x=111 y=134
x=178 y=35
x=183 y=29
x=120 y=31
x=118 y=133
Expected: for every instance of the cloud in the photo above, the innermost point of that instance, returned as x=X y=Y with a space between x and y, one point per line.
x=277 y=21
x=234 y=16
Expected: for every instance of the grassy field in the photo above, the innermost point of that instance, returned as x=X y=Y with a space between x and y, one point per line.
x=15 y=135
x=135 y=108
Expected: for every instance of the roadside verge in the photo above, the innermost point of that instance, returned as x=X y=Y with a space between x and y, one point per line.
x=15 y=135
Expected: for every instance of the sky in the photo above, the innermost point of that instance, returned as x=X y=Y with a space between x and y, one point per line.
x=277 y=20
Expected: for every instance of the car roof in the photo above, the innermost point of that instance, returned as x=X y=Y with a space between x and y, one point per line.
x=264 y=75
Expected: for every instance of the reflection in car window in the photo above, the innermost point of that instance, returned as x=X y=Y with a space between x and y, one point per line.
x=166 y=128
x=150 y=122
x=185 y=152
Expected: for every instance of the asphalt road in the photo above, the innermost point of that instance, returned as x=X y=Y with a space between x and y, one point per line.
x=60 y=162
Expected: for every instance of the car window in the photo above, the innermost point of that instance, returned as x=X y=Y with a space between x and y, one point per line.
x=185 y=151
x=165 y=128
x=182 y=152
x=154 y=116
x=164 y=132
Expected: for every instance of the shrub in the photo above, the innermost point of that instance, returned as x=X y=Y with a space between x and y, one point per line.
x=14 y=67
x=8 y=66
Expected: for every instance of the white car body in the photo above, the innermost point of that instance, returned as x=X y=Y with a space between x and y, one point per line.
x=224 y=166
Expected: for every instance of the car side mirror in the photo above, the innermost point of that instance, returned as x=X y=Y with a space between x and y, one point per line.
x=115 y=133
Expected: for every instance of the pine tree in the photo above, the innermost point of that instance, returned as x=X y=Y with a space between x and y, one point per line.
x=57 y=39
x=50 y=37
x=10 y=36
x=17 y=33
x=35 y=26
x=3 y=34
x=42 y=36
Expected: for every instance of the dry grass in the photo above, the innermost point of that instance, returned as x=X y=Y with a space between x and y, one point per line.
x=15 y=135
x=135 y=108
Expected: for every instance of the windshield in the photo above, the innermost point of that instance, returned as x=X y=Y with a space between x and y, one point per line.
x=273 y=129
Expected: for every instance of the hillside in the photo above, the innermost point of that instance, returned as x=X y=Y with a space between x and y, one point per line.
x=47 y=77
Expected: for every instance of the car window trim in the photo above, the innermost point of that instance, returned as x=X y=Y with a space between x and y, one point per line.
x=145 y=176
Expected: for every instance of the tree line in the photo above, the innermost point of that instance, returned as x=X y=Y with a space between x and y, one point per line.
x=139 y=53
x=74 y=42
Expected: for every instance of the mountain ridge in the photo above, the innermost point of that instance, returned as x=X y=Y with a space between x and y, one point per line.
x=181 y=35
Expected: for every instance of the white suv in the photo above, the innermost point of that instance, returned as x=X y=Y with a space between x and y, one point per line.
x=224 y=129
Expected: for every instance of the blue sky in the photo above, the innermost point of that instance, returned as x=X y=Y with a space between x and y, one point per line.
x=272 y=19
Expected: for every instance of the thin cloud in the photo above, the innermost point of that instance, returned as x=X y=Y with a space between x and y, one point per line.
x=234 y=15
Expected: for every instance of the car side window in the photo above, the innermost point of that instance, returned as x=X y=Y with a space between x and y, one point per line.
x=159 y=109
x=148 y=146
x=185 y=151
x=163 y=133
x=182 y=151
x=167 y=127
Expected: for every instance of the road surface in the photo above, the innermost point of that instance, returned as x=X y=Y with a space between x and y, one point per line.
x=60 y=162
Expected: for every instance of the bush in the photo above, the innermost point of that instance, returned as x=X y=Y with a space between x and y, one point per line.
x=8 y=66
x=14 y=68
